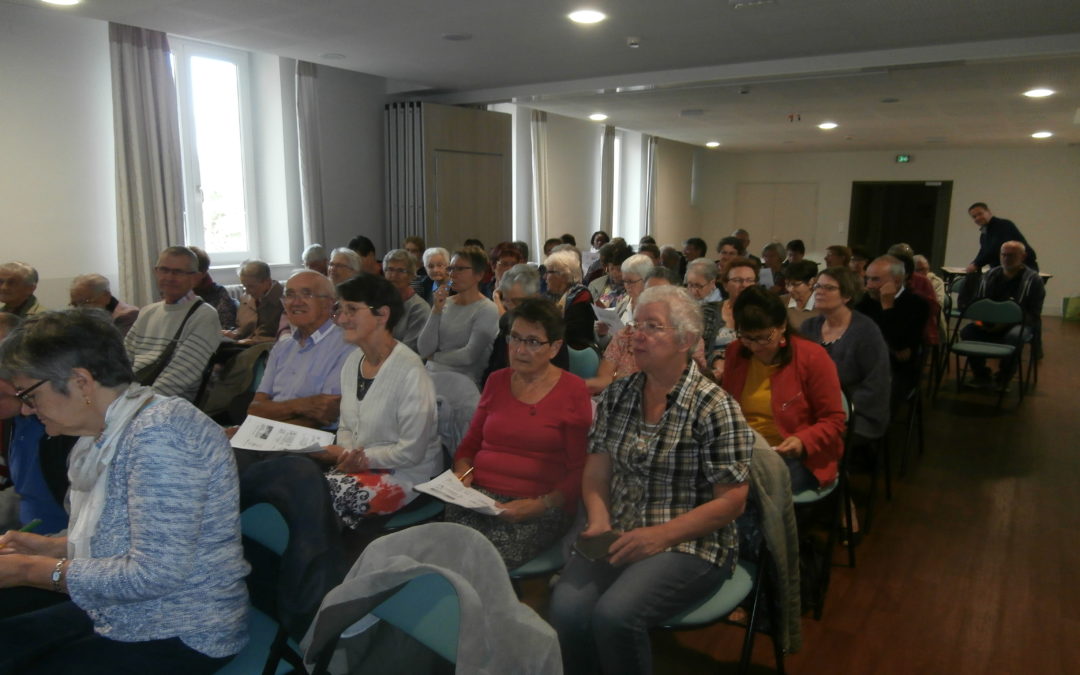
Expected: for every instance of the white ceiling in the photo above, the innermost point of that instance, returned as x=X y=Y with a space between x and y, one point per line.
x=957 y=66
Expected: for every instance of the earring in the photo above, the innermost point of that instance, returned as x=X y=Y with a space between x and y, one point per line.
x=87 y=401
x=783 y=342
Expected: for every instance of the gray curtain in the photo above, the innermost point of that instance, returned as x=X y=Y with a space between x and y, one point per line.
x=538 y=127
x=307 y=123
x=648 y=192
x=607 y=179
x=149 y=177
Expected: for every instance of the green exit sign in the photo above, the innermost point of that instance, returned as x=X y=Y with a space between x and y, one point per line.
x=903 y=159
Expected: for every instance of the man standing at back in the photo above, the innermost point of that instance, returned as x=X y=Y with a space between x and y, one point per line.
x=993 y=233
x=177 y=336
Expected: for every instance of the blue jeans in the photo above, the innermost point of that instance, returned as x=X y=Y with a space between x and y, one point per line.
x=603 y=613
x=60 y=640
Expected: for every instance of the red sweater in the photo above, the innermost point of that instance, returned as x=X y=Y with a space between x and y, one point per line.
x=526 y=451
x=806 y=402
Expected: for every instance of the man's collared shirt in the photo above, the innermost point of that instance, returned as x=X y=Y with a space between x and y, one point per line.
x=661 y=472
x=300 y=367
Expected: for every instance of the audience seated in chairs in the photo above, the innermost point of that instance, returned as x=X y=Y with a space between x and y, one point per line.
x=399 y=267
x=172 y=341
x=504 y=256
x=728 y=249
x=700 y=282
x=152 y=561
x=436 y=260
x=1012 y=280
x=799 y=299
x=920 y=286
x=525 y=447
x=591 y=263
x=388 y=438
x=739 y=275
x=788 y=389
x=563 y=276
x=459 y=332
x=669 y=457
x=92 y=290
x=18 y=281
x=259 y=315
x=608 y=289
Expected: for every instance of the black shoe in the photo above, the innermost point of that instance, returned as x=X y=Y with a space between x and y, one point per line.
x=980 y=381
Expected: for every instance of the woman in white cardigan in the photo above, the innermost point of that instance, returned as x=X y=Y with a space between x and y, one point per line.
x=387 y=438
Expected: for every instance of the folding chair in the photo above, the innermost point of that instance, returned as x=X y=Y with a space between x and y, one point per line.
x=584 y=362
x=1005 y=313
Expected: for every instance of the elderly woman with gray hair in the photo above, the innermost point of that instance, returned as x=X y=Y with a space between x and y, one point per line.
x=399 y=268
x=564 y=285
x=344 y=264
x=152 y=561
x=665 y=479
x=520 y=282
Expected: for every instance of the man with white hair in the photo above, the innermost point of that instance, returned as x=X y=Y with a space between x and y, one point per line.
x=259 y=313
x=315 y=258
x=18 y=281
x=92 y=290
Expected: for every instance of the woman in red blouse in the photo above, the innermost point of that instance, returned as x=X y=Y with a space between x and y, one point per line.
x=526 y=444
x=788 y=389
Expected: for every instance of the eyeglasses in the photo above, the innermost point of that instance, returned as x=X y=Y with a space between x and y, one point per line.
x=742 y=281
x=335 y=265
x=825 y=287
x=305 y=295
x=458 y=268
x=505 y=264
x=25 y=396
x=340 y=310
x=630 y=282
x=530 y=343
x=172 y=271
x=756 y=340
x=793 y=284
x=647 y=327
x=695 y=286
x=395 y=270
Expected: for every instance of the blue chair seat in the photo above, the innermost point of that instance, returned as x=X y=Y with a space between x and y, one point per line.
x=812 y=495
x=984 y=349
x=721 y=603
x=252 y=658
x=547 y=562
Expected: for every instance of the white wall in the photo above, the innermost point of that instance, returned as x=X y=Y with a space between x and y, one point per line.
x=676 y=216
x=351 y=145
x=573 y=154
x=58 y=192
x=1035 y=187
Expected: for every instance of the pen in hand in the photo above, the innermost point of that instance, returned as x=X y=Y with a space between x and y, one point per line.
x=31 y=526
x=465 y=475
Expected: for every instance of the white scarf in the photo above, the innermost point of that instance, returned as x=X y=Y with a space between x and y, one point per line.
x=88 y=464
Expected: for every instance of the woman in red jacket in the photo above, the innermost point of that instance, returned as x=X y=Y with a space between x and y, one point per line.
x=788 y=389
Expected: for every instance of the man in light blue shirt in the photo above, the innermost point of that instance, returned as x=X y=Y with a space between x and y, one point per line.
x=302 y=382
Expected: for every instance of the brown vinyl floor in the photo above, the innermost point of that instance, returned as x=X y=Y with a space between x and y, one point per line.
x=973 y=567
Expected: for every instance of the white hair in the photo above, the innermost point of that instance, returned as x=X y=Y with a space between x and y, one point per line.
x=434 y=251
x=352 y=256
x=639 y=264
x=565 y=262
x=683 y=311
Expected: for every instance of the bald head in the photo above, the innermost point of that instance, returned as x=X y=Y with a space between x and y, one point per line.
x=1013 y=255
x=90 y=290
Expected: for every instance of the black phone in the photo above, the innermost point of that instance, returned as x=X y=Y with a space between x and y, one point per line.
x=596 y=548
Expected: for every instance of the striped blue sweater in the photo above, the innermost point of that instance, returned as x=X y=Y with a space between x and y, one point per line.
x=166 y=555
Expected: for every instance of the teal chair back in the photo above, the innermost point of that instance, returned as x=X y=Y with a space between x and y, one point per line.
x=584 y=362
x=993 y=311
x=427 y=609
x=264 y=524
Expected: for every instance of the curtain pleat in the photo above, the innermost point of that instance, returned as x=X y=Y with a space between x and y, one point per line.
x=307 y=122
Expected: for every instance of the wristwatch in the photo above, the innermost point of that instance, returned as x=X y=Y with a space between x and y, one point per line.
x=58 y=575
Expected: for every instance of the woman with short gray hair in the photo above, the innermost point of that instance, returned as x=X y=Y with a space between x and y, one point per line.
x=399 y=268
x=563 y=277
x=344 y=264
x=436 y=260
x=152 y=560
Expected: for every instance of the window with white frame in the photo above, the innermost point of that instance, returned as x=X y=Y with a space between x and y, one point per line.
x=213 y=93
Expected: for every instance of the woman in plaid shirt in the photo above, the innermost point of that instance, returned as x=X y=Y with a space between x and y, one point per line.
x=669 y=457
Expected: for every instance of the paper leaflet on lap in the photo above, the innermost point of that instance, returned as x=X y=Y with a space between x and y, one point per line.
x=259 y=433
x=448 y=488
x=610 y=317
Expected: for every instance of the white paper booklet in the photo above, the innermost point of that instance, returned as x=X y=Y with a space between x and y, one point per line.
x=259 y=433
x=448 y=488
x=610 y=317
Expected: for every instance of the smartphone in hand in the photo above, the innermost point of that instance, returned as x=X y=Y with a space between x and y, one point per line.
x=596 y=548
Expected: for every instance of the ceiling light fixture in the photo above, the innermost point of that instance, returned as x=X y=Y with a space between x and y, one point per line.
x=1042 y=134
x=598 y=117
x=63 y=3
x=586 y=16
x=712 y=144
x=826 y=126
x=1040 y=92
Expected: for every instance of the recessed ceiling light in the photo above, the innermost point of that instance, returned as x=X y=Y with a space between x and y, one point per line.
x=1039 y=93
x=65 y=3
x=712 y=144
x=1042 y=134
x=598 y=117
x=827 y=125
x=586 y=16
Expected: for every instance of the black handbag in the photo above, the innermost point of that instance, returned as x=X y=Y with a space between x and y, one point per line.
x=151 y=371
